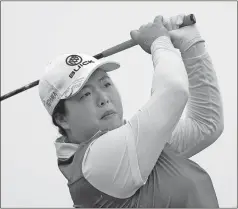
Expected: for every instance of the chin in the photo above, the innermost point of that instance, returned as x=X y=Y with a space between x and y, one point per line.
x=111 y=125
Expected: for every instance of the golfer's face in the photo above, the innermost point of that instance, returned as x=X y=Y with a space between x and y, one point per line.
x=96 y=107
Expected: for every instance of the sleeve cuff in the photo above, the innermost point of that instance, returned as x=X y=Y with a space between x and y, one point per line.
x=162 y=42
x=160 y=45
x=194 y=51
x=188 y=44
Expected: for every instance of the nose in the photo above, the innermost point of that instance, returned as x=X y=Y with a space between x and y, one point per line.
x=102 y=99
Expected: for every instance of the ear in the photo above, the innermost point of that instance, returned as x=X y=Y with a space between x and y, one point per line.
x=61 y=120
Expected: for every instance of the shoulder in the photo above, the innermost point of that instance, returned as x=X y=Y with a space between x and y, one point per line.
x=71 y=166
x=71 y=156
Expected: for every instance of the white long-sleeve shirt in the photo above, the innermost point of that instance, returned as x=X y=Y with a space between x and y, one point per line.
x=203 y=121
x=131 y=151
x=120 y=161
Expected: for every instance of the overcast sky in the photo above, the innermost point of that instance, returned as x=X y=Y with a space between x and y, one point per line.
x=34 y=33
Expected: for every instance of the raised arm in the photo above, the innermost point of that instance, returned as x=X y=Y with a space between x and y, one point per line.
x=119 y=162
x=203 y=122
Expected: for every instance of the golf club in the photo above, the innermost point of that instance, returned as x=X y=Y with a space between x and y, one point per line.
x=188 y=20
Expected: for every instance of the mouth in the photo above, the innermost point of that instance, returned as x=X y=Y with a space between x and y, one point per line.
x=108 y=114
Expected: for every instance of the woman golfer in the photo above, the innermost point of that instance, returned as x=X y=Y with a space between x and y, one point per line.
x=142 y=162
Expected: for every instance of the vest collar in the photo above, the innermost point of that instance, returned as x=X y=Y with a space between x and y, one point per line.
x=65 y=150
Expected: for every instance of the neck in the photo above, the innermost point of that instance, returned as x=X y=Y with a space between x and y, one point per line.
x=81 y=137
x=78 y=139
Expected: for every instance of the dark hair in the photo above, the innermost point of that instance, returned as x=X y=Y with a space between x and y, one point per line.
x=59 y=109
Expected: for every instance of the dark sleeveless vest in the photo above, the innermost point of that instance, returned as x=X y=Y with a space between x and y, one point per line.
x=174 y=182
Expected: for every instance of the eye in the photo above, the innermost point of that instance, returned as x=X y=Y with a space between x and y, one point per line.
x=85 y=95
x=107 y=84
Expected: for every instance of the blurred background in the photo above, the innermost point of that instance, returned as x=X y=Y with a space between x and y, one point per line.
x=34 y=33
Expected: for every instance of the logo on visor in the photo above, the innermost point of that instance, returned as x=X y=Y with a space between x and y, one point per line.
x=73 y=60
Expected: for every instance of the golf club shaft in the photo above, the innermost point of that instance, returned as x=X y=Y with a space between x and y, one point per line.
x=188 y=20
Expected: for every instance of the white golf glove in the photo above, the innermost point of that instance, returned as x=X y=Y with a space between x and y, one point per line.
x=182 y=38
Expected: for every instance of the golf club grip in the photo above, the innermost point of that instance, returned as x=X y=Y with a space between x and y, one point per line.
x=188 y=20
